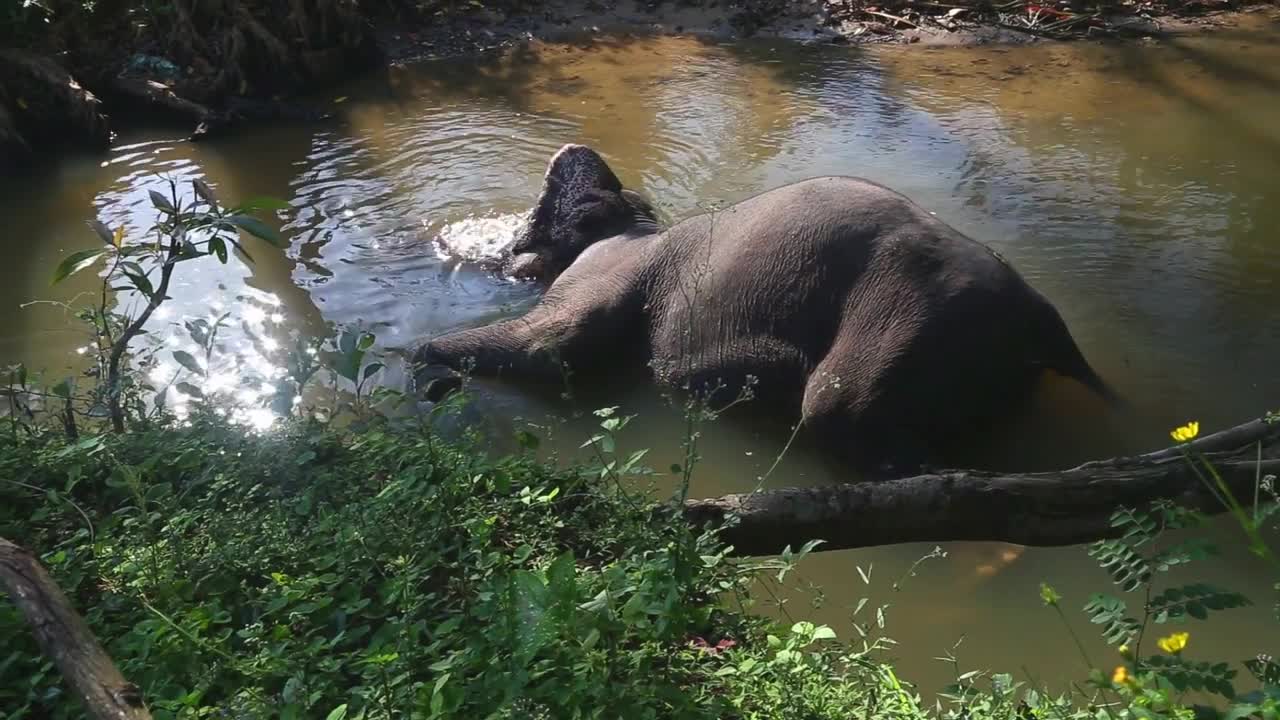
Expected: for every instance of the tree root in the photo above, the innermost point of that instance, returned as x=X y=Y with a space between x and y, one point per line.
x=41 y=104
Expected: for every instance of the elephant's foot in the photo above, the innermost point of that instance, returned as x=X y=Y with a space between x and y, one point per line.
x=436 y=382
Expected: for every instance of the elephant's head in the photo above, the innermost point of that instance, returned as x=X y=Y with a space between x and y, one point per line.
x=582 y=202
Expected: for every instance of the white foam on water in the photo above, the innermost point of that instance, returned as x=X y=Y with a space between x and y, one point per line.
x=477 y=238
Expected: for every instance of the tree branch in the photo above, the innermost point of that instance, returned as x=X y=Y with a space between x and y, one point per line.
x=66 y=639
x=121 y=345
x=1048 y=508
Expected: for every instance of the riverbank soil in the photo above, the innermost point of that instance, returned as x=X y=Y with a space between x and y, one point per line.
x=71 y=72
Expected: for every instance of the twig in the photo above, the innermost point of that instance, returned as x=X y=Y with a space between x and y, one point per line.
x=949 y=6
x=69 y=501
x=894 y=18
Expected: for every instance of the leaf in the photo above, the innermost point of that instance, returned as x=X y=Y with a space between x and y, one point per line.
x=1183 y=553
x=1186 y=675
x=219 y=248
x=185 y=359
x=1111 y=613
x=562 y=578
x=337 y=713
x=865 y=575
x=1265 y=669
x=824 y=633
x=1195 y=600
x=1239 y=712
x=256 y=228
x=190 y=389
x=161 y=202
x=141 y=283
x=1127 y=568
x=527 y=440
x=74 y=263
x=633 y=460
x=1139 y=528
x=531 y=600
x=366 y=341
x=62 y=389
x=347 y=342
x=204 y=192
x=103 y=231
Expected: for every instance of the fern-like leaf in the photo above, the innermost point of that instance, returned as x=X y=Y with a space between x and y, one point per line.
x=1195 y=600
x=1127 y=568
x=1177 y=517
x=1138 y=528
x=1183 y=553
x=1112 y=614
x=1190 y=675
x=1265 y=669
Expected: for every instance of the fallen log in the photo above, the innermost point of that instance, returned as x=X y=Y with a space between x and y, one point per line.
x=152 y=95
x=1066 y=507
x=66 y=639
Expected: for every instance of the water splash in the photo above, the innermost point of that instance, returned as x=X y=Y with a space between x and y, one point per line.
x=477 y=238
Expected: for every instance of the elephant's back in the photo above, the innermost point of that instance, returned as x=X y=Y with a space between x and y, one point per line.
x=773 y=270
x=822 y=234
x=797 y=263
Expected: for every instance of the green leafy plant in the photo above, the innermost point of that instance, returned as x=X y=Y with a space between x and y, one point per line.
x=187 y=229
x=1136 y=560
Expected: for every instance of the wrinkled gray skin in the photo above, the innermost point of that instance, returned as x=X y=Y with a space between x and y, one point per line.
x=885 y=328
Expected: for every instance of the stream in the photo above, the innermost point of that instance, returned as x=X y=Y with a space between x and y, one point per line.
x=1136 y=185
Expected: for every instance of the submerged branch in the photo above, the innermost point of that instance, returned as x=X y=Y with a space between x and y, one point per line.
x=66 y=639
x=1047 y=508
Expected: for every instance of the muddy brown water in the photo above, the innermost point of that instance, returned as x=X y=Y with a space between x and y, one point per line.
x=1137 y=186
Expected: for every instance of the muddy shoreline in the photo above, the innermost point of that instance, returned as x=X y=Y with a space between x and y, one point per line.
x=104 y=103
x=920 y=22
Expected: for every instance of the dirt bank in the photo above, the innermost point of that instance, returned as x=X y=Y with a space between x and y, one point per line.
x=926 y=22
x=217 y=70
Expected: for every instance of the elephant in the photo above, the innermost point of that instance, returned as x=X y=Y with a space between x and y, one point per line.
x=836 y=298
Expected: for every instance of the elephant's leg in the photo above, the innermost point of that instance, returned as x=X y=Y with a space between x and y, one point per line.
x=856 y=407
x=767 y=369
x=552 y=339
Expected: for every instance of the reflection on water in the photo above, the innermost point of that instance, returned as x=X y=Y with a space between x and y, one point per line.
x=1134 y=185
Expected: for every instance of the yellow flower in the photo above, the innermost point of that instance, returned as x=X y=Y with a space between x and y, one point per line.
x=1174 y=643
x=1186 y=432
x=1124 y=651
x=1120 y=676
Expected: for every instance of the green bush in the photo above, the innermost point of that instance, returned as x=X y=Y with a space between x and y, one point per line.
x=385 y=572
